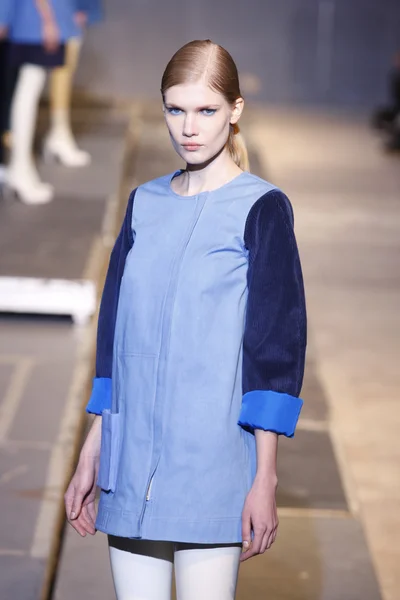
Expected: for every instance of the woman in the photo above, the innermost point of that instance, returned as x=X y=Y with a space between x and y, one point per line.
x=200 y=356
x=60 y=142
x=38 y=30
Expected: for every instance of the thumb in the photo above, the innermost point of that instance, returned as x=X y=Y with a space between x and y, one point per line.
x=246 y=532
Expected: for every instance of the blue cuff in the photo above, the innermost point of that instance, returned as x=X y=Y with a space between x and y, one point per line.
x=271 y=411
x=101 y=396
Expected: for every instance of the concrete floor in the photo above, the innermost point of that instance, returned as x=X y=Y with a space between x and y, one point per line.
x=339 y=484
x=45 y=360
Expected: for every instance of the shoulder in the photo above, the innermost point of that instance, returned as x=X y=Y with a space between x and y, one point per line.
x=160 y=185
x=273 y=204
x=263 y=196
x=155 y=187
x=251 y=186
x=270 y=218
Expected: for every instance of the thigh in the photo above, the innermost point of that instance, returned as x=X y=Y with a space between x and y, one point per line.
x=141 y=569
x=206 y=571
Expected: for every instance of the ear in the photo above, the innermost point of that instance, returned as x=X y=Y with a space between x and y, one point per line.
x=237 y=110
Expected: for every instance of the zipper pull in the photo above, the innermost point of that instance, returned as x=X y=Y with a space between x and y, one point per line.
x=149 y=489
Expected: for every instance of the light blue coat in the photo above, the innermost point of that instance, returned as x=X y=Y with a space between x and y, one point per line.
x=208 y=344
x=25 y=24
x=93 y=8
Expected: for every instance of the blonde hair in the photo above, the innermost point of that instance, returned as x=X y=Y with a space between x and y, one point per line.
x=202 y=59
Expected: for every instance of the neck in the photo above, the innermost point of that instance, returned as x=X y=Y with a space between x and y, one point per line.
x=209 y=176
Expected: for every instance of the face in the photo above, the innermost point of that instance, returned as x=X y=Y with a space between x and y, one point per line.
x=198 y=120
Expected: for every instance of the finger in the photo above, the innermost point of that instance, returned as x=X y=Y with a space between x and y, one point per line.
x=69 y=499
x=82 y=526
x=78 y=527
x=270 y=540
x=264 y=543
x=257 y=541
x=87 y=515
x=92 y=512
x=254 y=546
x=84 y=519
x=87 y=521
x=274 y=534
x=246 y=532
x=76 y=504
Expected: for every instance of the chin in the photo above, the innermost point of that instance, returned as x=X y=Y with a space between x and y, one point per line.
x=194 y=157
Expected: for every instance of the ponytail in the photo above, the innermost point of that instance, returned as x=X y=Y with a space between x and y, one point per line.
x=237 y=148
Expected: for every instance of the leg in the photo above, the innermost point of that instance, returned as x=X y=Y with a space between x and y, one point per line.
x=8 y=81
x=22 y=175
x=206 y=571
x=61 y=79
x=11 y=84
x=141 y=569
x=60 y=142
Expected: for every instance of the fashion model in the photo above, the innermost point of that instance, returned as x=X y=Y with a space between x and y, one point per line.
x=37 y=32
x=200 y=356
x=60 y=142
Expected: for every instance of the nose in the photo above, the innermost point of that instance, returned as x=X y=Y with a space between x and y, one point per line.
x=190 y=126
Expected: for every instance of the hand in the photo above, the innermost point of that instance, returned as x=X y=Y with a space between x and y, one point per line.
x=81 y=19
x=80 y=496
x=50 y=36
x=3 y=32
x=260 y=515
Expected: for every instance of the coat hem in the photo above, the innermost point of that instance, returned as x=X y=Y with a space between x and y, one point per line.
x=224 y=530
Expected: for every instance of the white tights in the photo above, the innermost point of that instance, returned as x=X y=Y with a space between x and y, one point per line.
x=142 y=570
x=24 y=108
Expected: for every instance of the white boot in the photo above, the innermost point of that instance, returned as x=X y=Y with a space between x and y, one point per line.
x=22 y=177
x=60 y=143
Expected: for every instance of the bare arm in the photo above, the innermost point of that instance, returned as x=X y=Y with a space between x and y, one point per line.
x=91 y=447
x=273 y=356
x=81 y=493
x=260 y=513
x=267 y=450
x=50 y=32
x=45 y=10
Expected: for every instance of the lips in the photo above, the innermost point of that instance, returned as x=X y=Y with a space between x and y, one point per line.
x=191 y=146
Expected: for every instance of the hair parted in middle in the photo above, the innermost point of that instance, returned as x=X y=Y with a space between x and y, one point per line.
x=205 y=60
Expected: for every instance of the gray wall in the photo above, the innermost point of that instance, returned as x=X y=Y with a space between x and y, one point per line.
x=288 y=51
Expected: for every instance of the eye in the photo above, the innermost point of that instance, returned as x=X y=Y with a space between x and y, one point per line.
x=209 y=112
x=174 y=111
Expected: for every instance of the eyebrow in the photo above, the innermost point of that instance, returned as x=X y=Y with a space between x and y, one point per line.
x=207 y=106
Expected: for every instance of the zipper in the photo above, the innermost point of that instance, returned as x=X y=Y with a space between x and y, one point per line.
x=177 y=268
x=149 y=489
x=147 y=498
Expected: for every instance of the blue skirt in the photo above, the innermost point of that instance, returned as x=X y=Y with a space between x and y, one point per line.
x=35 y=54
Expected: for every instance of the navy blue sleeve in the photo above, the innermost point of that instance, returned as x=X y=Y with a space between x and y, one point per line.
x=101 y=393
x=275 y=335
